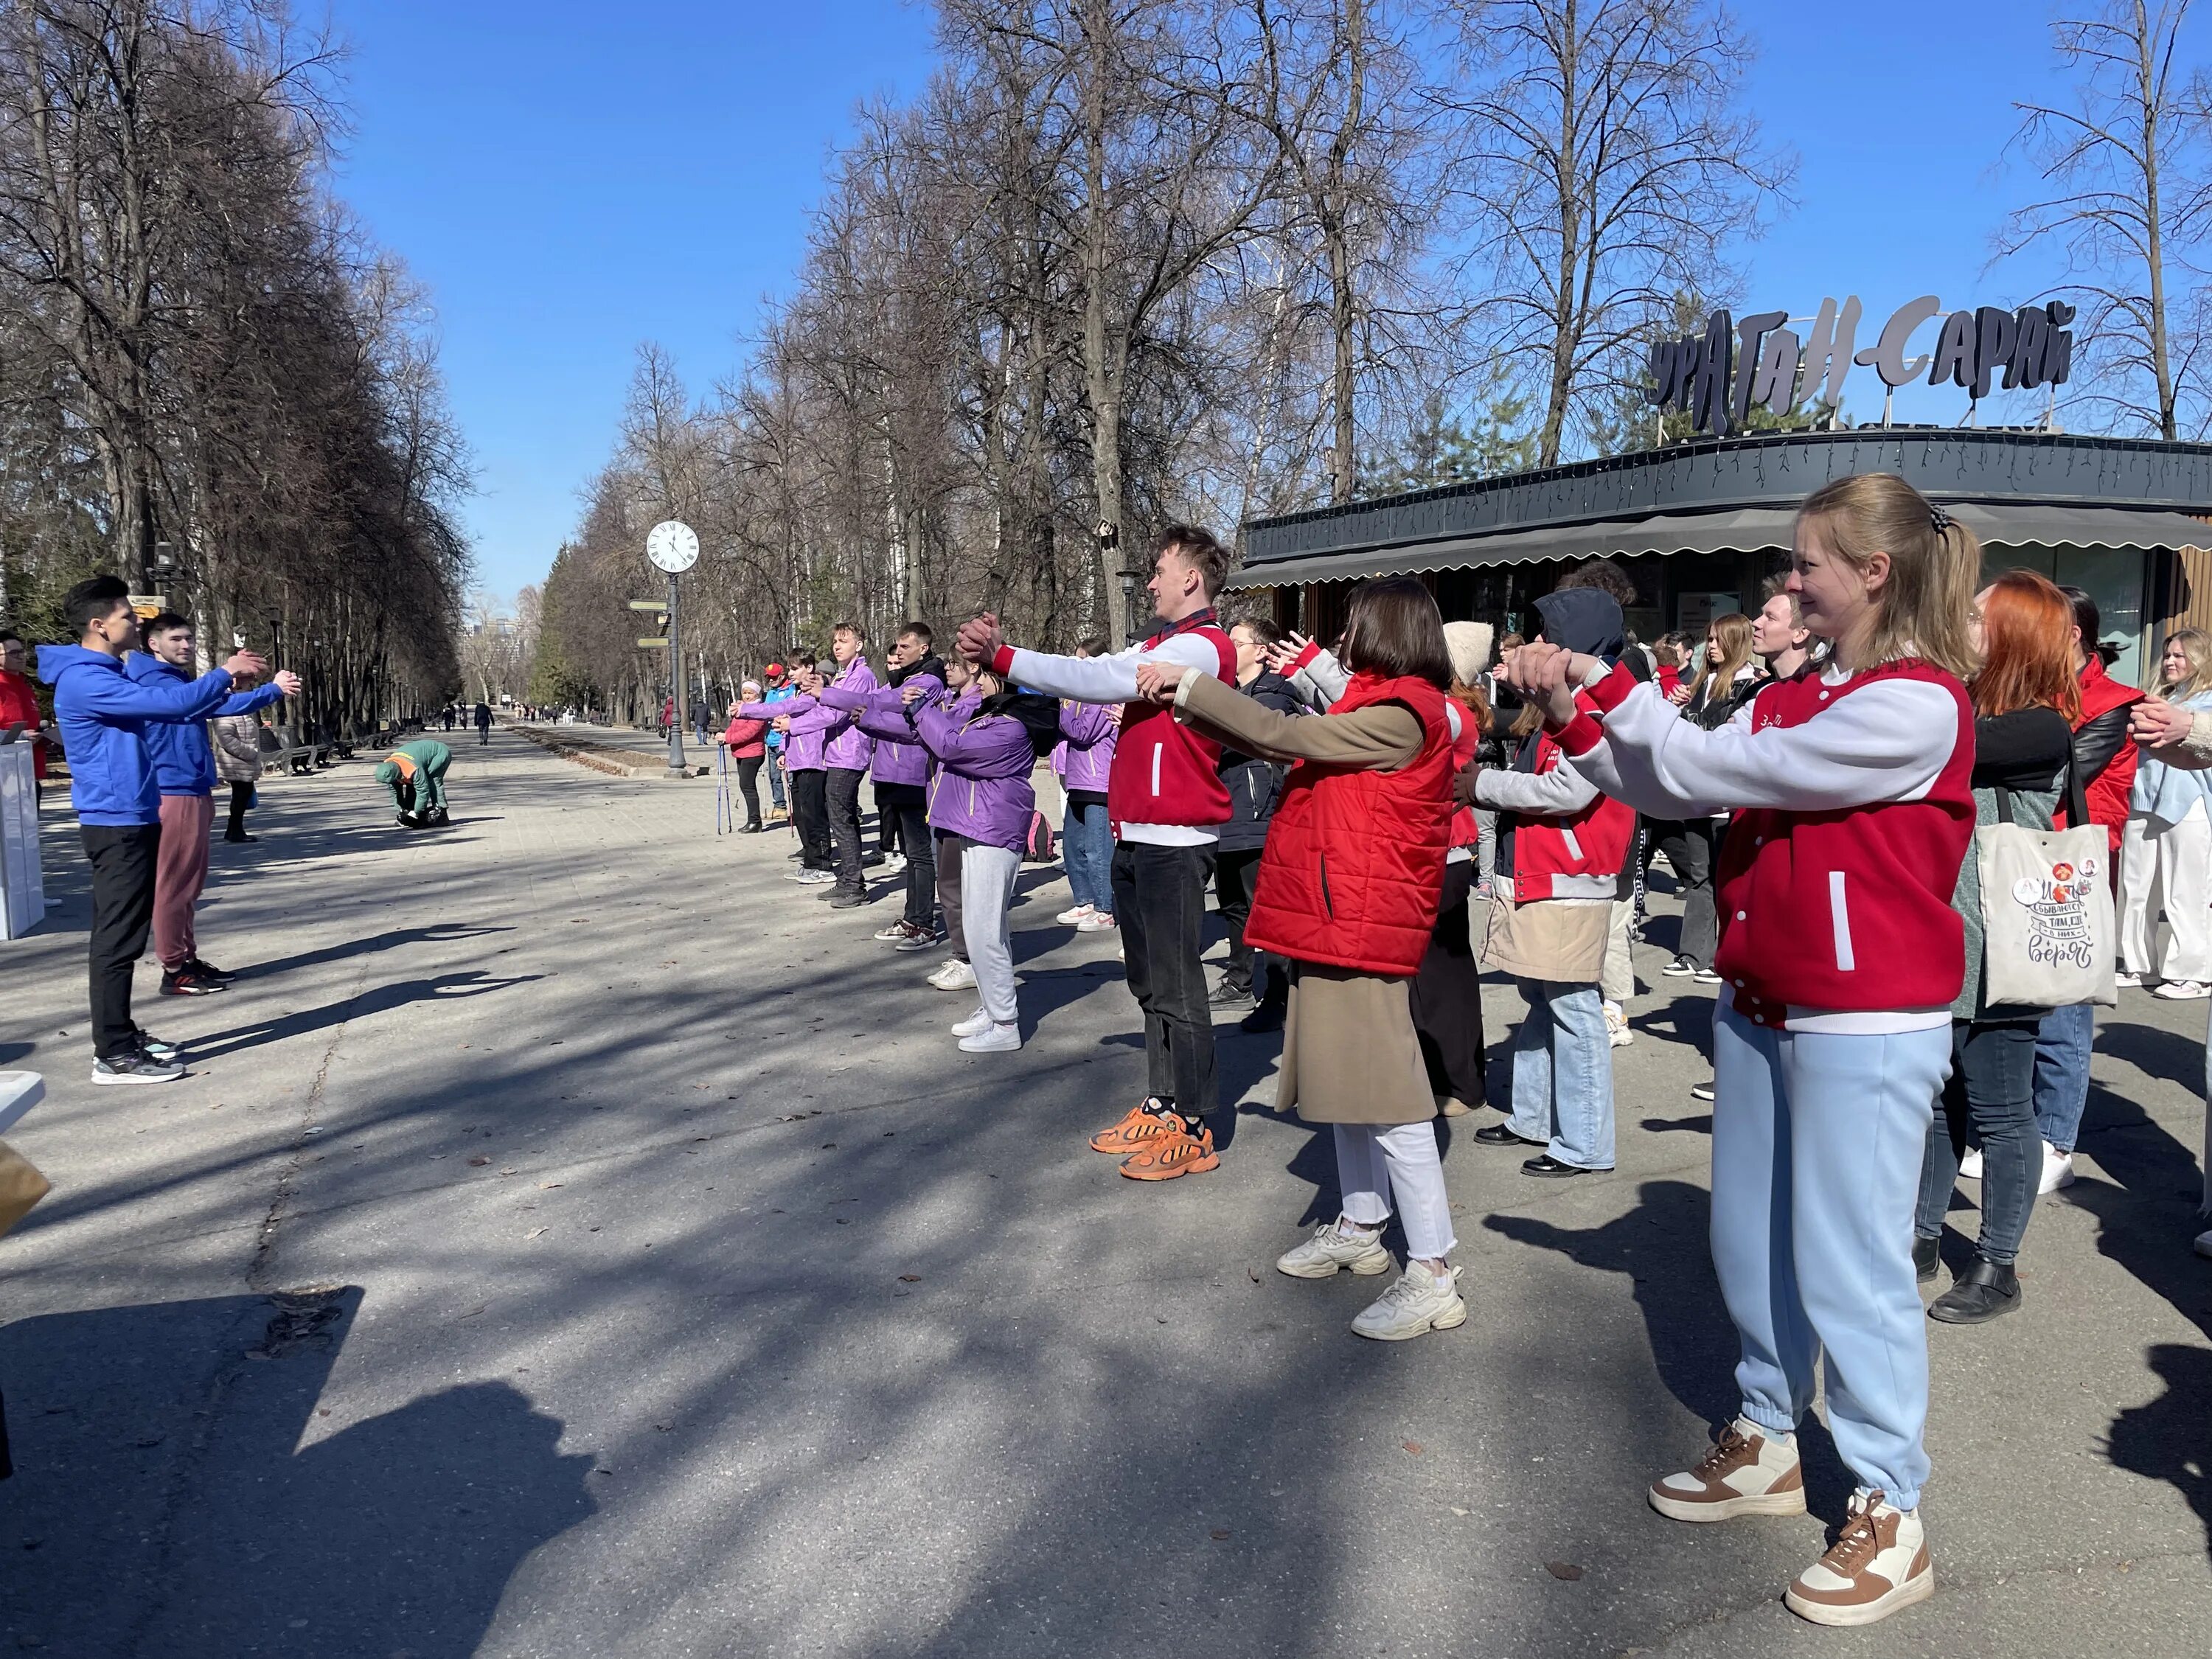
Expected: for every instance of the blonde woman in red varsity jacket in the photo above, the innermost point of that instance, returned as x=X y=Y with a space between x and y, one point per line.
x=1841 y=955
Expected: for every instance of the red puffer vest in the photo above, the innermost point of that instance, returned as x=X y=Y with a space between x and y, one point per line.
x=1162 y=771
x=1354 y=864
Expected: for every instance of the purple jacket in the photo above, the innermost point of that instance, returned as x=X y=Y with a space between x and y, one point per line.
x=1088 y=752
x=880 y=714
x=824 y=734
x=981 y=789
x=802 y=744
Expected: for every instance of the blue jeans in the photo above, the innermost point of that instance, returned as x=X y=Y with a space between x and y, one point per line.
x=1087 y=845
x=1989 y=1091
x=2063 y=1043
x=1562 y=1074
x=775 y=778
x=1815 y=1253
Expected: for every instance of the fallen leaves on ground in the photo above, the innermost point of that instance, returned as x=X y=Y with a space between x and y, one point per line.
x=1566 y=1570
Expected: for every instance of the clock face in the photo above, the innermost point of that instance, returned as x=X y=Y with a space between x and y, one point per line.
x=672 y=546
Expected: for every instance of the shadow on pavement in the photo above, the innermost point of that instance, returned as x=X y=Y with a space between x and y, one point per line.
x=2165 y=1440
x=183 y=1494
x=377 y=1000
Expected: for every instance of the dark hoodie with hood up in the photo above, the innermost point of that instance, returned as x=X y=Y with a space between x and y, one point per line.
x=1582 y=620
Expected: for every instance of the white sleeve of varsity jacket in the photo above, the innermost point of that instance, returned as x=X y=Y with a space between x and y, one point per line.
x=1559 y=792
x=1105 y=679
x=1885 y=742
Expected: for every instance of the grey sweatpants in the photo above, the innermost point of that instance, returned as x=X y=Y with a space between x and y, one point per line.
x=986 y=892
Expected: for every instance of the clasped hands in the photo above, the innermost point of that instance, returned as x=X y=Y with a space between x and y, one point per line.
x=2155 y=722
x=1547 y=676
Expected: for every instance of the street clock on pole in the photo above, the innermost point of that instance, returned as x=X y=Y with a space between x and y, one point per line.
x=672 y=546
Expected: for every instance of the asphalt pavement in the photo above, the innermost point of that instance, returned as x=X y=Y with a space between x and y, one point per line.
x=575 y=1240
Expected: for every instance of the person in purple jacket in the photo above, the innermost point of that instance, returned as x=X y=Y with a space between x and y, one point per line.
x=981 y=798
x=1088 y=730
x=805 y=723
x=845 y=754
x=902 y=769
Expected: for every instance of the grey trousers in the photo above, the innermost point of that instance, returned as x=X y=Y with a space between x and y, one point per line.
x=986 y=892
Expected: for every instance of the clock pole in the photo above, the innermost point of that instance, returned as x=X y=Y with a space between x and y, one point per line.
x=675 y=685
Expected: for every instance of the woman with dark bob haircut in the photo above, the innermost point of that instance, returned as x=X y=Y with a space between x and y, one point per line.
x=1348 y=889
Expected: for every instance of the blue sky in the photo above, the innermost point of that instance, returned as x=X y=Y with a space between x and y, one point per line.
x=572 y=179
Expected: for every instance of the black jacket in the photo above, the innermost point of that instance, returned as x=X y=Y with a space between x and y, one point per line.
x=1255 y=785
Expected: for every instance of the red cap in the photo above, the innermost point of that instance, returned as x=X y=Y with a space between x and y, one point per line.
x=776 y=668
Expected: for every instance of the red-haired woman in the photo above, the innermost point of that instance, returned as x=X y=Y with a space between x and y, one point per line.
x=2026 y=699
x=1348 y=891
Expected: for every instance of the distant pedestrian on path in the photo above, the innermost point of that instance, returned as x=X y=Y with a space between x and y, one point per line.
x=415 y=775
x=238 y=763
x=483 y=724
x=104 y=714
x=184 y=771
x=449 y=717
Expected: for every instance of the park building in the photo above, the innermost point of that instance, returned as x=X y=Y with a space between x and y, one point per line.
x=1700 y=524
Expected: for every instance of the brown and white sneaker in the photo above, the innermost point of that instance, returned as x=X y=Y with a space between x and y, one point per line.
x=1878 y=1564
x=1751 y=1470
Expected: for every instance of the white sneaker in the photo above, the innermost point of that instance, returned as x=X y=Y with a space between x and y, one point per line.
x=1751 y=1470
x=1969 y=1167
x=954 y=975
x=1419 y=1303
x=1097 y=922
x=2058 y=1170
x=1616 y=1026
x=893 y=866
x=978 y=1022
x=993 y=1039
x=2204 y=1243
x=1878 y=1564
x=1080 y=912
x=2125 y=980
x=2184 y=990
x=816 y=878
x=1331 y=1248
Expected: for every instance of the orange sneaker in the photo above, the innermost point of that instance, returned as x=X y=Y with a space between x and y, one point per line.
x=1177 y=1152
x=1140 y=1127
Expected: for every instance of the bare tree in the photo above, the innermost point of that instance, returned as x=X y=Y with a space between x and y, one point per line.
x=1604 y=163
x=2128 y=159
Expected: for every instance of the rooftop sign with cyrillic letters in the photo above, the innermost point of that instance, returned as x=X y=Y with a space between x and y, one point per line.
x=1718 y=377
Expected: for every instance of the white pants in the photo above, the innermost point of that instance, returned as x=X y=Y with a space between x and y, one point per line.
x=986 y=893
x=1617 y=981
x=2169 y=865
x=1375 y=1163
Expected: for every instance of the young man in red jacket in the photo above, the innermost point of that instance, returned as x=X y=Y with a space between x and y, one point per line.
x=1166 y=803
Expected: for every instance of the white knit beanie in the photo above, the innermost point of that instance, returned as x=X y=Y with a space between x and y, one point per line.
x=1469 y=643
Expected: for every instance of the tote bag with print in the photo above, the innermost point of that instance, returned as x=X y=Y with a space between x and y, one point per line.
x=2047 y=925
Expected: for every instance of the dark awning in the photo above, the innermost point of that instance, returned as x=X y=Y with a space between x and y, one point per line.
x=1750 y=530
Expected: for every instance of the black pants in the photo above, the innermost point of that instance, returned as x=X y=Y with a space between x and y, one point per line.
x=1446 y=995
x=890 y=835
x=844 y=799
x=122 y=857
x=906 y=806
x=749 y=786
x=1159 y=900
x=242 y=796
x=811 y=812
x=1236 y=878
x=1693 y=849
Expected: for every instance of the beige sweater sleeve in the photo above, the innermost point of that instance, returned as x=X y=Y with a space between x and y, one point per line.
x=1381 y=739
x=2194 y=753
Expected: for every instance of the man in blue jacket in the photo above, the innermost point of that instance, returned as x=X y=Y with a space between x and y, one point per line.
x=103 y=714
x=184 y=770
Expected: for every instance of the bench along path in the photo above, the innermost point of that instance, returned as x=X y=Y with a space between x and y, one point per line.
x=577 y=1241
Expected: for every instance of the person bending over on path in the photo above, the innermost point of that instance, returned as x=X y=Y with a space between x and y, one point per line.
x=104 y=716
x=1166 y=805
x=415 y=775
x=1348 y=890
x=1561 y=844
x=1841 y=954
x=747 y=742
x=1084 y=762
x=902 y=768
x=981 y=798
x=1253 y=783
x=185 y=770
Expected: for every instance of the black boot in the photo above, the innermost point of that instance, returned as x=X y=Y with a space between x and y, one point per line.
x=1979 y=1295
x=1926 y=1257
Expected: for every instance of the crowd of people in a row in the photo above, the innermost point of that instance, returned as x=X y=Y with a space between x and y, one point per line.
x=1824 y=780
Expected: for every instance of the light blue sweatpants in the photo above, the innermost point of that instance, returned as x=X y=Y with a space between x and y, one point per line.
x=1817 y=1146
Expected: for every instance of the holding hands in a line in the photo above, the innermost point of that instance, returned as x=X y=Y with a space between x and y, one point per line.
x=981 y=638
x=2156 y=722
x=1547 y=676
x=1157 y=682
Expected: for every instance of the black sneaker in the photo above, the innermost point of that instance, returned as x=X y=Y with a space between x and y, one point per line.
x=135 y=1066
x=1228 y=995
x=847 y=898
x=1984 y=1291
x=208 y=968
x=186 y=983
x=1551 y=1168
x=154 y=1046
x=1501 y=1134
x=1680 y=968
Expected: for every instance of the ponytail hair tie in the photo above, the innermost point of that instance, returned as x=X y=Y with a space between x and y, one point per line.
x=1938 y=519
